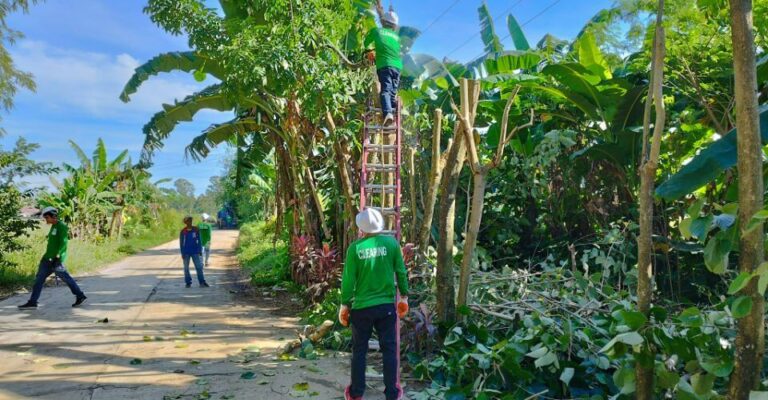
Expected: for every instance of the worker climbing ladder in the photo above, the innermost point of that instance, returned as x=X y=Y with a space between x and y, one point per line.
x=380 y=182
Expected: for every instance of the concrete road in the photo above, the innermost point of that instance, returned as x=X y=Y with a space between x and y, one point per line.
x=143 y=335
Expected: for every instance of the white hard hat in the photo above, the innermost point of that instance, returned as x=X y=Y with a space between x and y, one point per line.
x=391 y=17
x=49 y=210
x=206 y=216
x=370 y=221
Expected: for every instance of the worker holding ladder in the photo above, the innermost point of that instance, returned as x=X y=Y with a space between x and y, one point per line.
x=375 y=280
x=368 y=301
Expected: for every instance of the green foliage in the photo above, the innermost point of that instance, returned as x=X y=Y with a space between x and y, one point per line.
x=97 y=197
x=516 y=31
x=552 y=343
x=13 y=228
x=709 y=164
x=15 y=164
x=488 y=31
x=265 y=261
x=164 y=63
x=11 y=78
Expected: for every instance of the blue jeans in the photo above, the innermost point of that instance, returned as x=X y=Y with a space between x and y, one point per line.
x=382 y=318
x=197 y=260
x=44 y=270
x=389 y=78
x=206 y=254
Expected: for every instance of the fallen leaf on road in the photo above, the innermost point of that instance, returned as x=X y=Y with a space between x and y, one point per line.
x=103 y=320
x=147 y=339
x=301 y=386
x=248 y=375
x=61 y=366
x=201 y=382
x=136 y=361
x=268 y=373
x=194 y=362
x=178 y=371
x=263 y=382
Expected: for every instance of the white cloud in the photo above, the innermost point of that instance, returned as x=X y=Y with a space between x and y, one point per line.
x=89 y=83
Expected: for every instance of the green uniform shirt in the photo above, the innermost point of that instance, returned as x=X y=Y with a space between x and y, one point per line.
x=205 y=233
x=369 y=272
x=386 y=42
x=58 y=237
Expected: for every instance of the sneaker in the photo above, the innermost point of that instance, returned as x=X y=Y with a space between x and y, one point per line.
x=389 y=119
x=204 y=284
x=79 y=301
x=188 y=285
x=348 y=396
x=28 y=305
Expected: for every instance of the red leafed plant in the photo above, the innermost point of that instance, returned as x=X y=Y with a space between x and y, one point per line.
x=325 y=272
x=409 y=255
x=302 y=258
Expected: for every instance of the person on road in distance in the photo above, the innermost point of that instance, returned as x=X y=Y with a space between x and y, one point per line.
x=191 y=249
x=384 y=45
x=205 y=237
x=368 y=300
x=53 y=260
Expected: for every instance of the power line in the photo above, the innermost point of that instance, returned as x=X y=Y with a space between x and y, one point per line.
x=466 y=42
x=539 y=14
x=434 y=21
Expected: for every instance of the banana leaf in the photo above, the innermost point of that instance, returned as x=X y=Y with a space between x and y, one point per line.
x=518 y=36
x=187 y=61
x=488 y=31
x=708 y=164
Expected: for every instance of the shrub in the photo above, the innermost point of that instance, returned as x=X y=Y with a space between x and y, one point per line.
x=267 y=262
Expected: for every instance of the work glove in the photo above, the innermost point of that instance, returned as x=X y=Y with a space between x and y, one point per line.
x=402 y=307
x=371 y=57
x=344 y=315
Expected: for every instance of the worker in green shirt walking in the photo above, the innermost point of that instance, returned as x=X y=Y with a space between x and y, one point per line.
x=385 y=42
x=368 y=295
x=205 y=237
x=53 y=259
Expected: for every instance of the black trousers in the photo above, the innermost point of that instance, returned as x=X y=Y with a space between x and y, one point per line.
x=382 y=318
x=389 y=78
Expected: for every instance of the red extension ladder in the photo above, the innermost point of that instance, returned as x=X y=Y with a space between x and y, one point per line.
x=380 y=180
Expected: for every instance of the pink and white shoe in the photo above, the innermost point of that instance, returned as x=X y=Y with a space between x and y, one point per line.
x=348 y=396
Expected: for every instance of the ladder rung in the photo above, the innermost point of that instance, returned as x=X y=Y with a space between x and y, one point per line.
x=389 y=128
x=380 y=188
x=386 y=210
x=381 y=167
x=381 y=148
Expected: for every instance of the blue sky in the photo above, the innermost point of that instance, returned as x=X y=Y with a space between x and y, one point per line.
x=83 y=51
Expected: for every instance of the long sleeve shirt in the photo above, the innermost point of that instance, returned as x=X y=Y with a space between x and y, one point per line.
x=370 y=269
x=58 y=238
x=386 y=42
x=205 y=233
x=189 y=241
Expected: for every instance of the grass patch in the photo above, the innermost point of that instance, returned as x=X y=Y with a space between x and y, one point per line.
x=83 y=255
x=267 y=265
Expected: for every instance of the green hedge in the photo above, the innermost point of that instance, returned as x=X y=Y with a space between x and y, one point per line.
x=267 y=265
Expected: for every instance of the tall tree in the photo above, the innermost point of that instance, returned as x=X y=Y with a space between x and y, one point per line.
x=650 y=160
x=751 y=329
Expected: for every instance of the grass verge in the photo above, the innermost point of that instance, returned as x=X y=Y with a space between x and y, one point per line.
x=267 y=265
x=86 y=255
